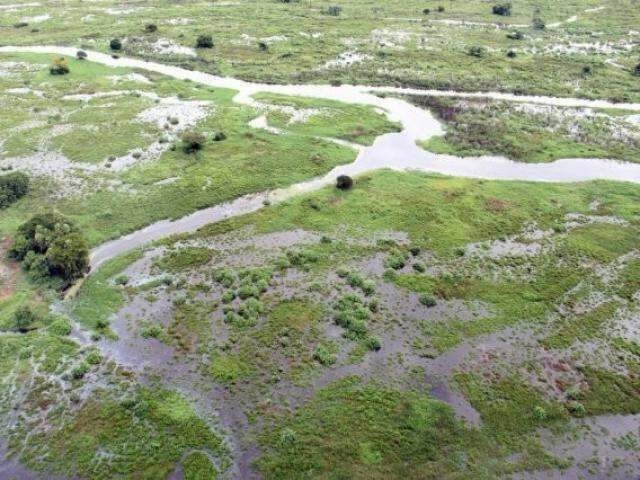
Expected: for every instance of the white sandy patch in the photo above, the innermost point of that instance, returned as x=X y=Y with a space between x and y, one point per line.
x=122 y=11
x=36 y=18
x=9 y=69
x=592 y=10
x=164 y=46
x=167 y=181
x=347 y=59
x=129 y=77
x=173 y=116
x=88 y=18
x=634 y=119
x=179 y=21
x=395 y=39
x=187 y=113
x=16 y=6
x=87 y=97
x=24 y=91
x=274 y=39
x=245 y=40
x=597 y=48
x=260 y=123
x=311 y=35
x=465 y=23
x=572 y=19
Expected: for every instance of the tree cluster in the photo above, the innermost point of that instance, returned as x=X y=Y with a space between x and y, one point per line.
x=50 y=246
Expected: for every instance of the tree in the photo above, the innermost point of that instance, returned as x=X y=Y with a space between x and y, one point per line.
x=637 y=70
x=67 y=256
x=59 y=66
x=49 y=245
x=115 y=44
x=150 y=28
x=81 y=55
x=204 y=41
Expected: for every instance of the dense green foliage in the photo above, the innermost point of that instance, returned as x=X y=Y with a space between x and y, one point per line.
x=13 y=186
x=49 y=245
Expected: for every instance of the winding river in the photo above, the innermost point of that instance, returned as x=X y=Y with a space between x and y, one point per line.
x=397 y=151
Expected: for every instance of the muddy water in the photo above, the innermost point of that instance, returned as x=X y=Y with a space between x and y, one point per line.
x=395 y=150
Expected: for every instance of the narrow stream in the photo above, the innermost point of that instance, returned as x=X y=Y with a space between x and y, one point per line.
x=396 y=151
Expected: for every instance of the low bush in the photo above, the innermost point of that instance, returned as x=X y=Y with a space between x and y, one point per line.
x=538 y=24
x=503 y=9
x=192 y=142
x=333 y=10
x=24 y=318
x=204 y=41
x=150 y=28
x=59 y=66
x=477 y=51
x=428 y=300
x=81 y=55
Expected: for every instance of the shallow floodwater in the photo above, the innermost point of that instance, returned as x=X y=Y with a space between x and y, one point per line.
x=396 y=151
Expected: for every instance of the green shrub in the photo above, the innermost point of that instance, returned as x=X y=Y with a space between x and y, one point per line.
x=539 y=413
x=428 y=300
x=13 y=186
x=374 y=344
x=24 y=318
x=94 y=357
x=61 y=326
x=324 y=356
x=395 y=261
x=80 y=370
x=577 y=409
x=115 y=44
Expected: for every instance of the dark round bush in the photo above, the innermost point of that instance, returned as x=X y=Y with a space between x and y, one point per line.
x=115 y=44
x=344 y=182
x=204 y=41
x=81 y=54
x=150 y=28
